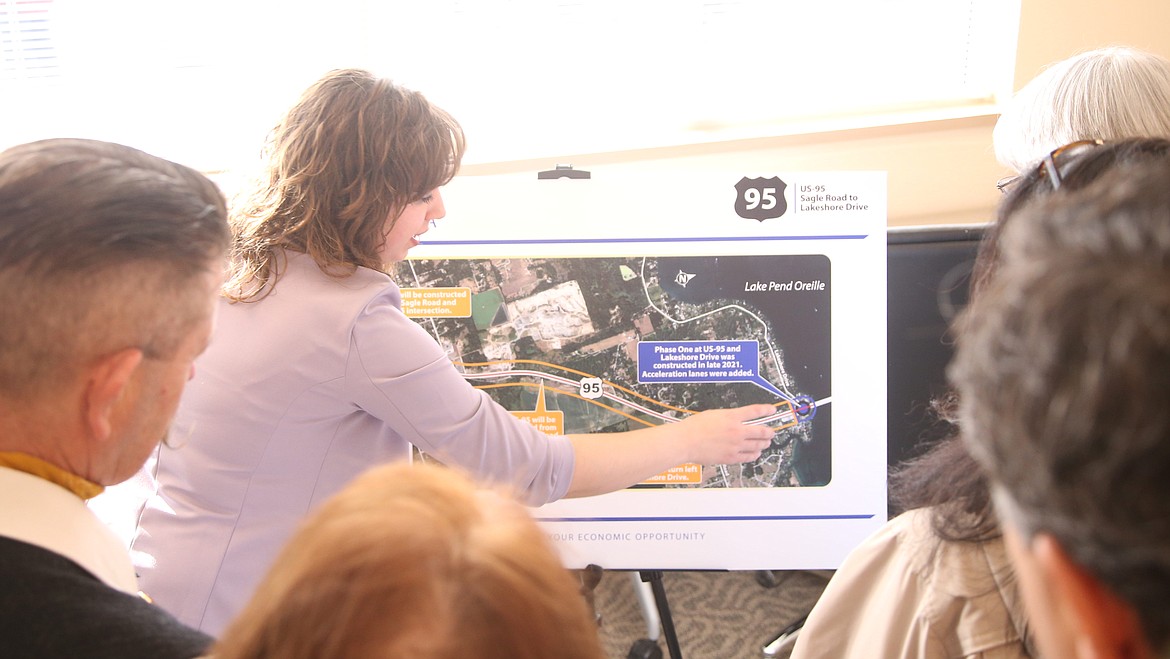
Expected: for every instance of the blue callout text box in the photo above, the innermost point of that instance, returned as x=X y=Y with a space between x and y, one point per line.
x=701 y=361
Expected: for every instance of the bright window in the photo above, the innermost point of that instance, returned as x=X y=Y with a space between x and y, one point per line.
x=201 y=82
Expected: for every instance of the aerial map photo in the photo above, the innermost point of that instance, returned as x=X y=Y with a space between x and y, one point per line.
x=608 y=344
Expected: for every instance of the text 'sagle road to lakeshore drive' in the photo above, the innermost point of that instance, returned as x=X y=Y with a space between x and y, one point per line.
x=619 y=343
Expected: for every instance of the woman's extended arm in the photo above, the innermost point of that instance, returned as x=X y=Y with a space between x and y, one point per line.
x=610 y=461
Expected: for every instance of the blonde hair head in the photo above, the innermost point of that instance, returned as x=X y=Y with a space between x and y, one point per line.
x=412 y=561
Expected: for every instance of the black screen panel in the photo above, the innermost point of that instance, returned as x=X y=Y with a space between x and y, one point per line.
x=928 y=272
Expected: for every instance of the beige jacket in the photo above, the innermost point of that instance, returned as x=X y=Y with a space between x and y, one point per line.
x=903 y=593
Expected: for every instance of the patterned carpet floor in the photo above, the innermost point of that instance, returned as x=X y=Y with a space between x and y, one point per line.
x=717 y=615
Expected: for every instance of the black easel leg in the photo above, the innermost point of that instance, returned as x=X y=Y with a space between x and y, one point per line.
x=654 y=578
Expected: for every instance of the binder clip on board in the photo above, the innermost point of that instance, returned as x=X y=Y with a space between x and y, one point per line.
x=562 y=171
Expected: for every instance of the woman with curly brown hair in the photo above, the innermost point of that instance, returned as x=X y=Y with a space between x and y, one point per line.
x=315 y=374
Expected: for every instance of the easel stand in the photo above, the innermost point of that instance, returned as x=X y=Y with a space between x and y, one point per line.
x=654 y=578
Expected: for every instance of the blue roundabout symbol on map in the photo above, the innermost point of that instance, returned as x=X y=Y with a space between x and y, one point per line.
x=805 y=408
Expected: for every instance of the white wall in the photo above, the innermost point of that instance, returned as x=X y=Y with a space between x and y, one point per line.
x=939 y=171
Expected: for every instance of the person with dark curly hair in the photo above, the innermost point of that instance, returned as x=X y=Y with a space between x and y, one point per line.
x=936 y=579
x=1062 y=369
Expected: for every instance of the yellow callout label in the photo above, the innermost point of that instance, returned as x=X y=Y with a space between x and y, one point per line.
x=549 y=422
x=436 y=302
x=688 y=473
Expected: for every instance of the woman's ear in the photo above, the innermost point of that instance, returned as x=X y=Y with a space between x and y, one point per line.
x=1103 y=624
x=106 y=386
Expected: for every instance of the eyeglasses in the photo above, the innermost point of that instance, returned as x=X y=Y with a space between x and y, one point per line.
x=1048 y=164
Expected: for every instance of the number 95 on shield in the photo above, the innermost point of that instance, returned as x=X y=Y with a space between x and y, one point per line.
x=760 y=198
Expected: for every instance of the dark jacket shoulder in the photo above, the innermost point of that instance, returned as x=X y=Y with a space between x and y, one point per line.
x=52 y=607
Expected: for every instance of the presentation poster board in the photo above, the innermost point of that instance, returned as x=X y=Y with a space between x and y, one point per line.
x=622 y=302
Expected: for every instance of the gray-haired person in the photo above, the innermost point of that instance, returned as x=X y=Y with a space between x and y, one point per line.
x=110 y=260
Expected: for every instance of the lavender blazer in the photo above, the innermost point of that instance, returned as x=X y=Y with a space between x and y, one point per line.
x=297 y=394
